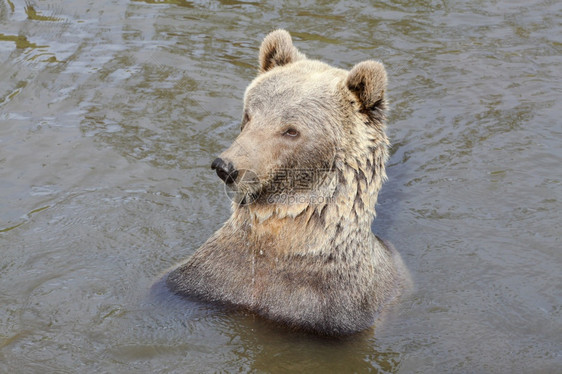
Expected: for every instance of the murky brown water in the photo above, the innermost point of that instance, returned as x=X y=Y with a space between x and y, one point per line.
x=111 y=113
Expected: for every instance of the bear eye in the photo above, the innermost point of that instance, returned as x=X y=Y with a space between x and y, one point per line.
x=291 y=132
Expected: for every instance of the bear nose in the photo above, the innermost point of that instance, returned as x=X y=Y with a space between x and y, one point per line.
x=225 y=171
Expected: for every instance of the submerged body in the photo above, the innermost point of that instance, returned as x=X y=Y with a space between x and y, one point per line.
x=301 y=251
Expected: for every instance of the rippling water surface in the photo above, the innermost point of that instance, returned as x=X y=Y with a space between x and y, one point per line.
x=112 y=111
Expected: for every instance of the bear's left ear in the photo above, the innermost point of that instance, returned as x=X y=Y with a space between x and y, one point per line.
x=277 y=50
x=367 y=80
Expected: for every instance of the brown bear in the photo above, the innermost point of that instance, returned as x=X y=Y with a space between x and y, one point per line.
x=306 y=169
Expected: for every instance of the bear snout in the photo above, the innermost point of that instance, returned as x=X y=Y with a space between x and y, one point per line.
x=225 y=170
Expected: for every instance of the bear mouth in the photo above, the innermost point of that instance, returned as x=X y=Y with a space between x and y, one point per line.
x=248 y=199
x=246 y=189
x=244 y=198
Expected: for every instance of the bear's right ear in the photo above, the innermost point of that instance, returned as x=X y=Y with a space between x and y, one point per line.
x=367 y=80
x=277 y=50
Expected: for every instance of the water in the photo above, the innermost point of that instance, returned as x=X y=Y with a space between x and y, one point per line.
x=111 y=113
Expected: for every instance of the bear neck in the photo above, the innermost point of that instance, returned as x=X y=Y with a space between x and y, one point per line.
x=338 y=223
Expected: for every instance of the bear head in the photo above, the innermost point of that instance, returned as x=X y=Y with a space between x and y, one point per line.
x=304 y=122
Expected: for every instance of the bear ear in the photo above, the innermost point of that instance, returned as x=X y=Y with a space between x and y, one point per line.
x=277 y=50
x=367 y=80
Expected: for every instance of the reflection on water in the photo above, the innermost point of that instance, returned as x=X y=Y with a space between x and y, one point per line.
x=111 y=115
